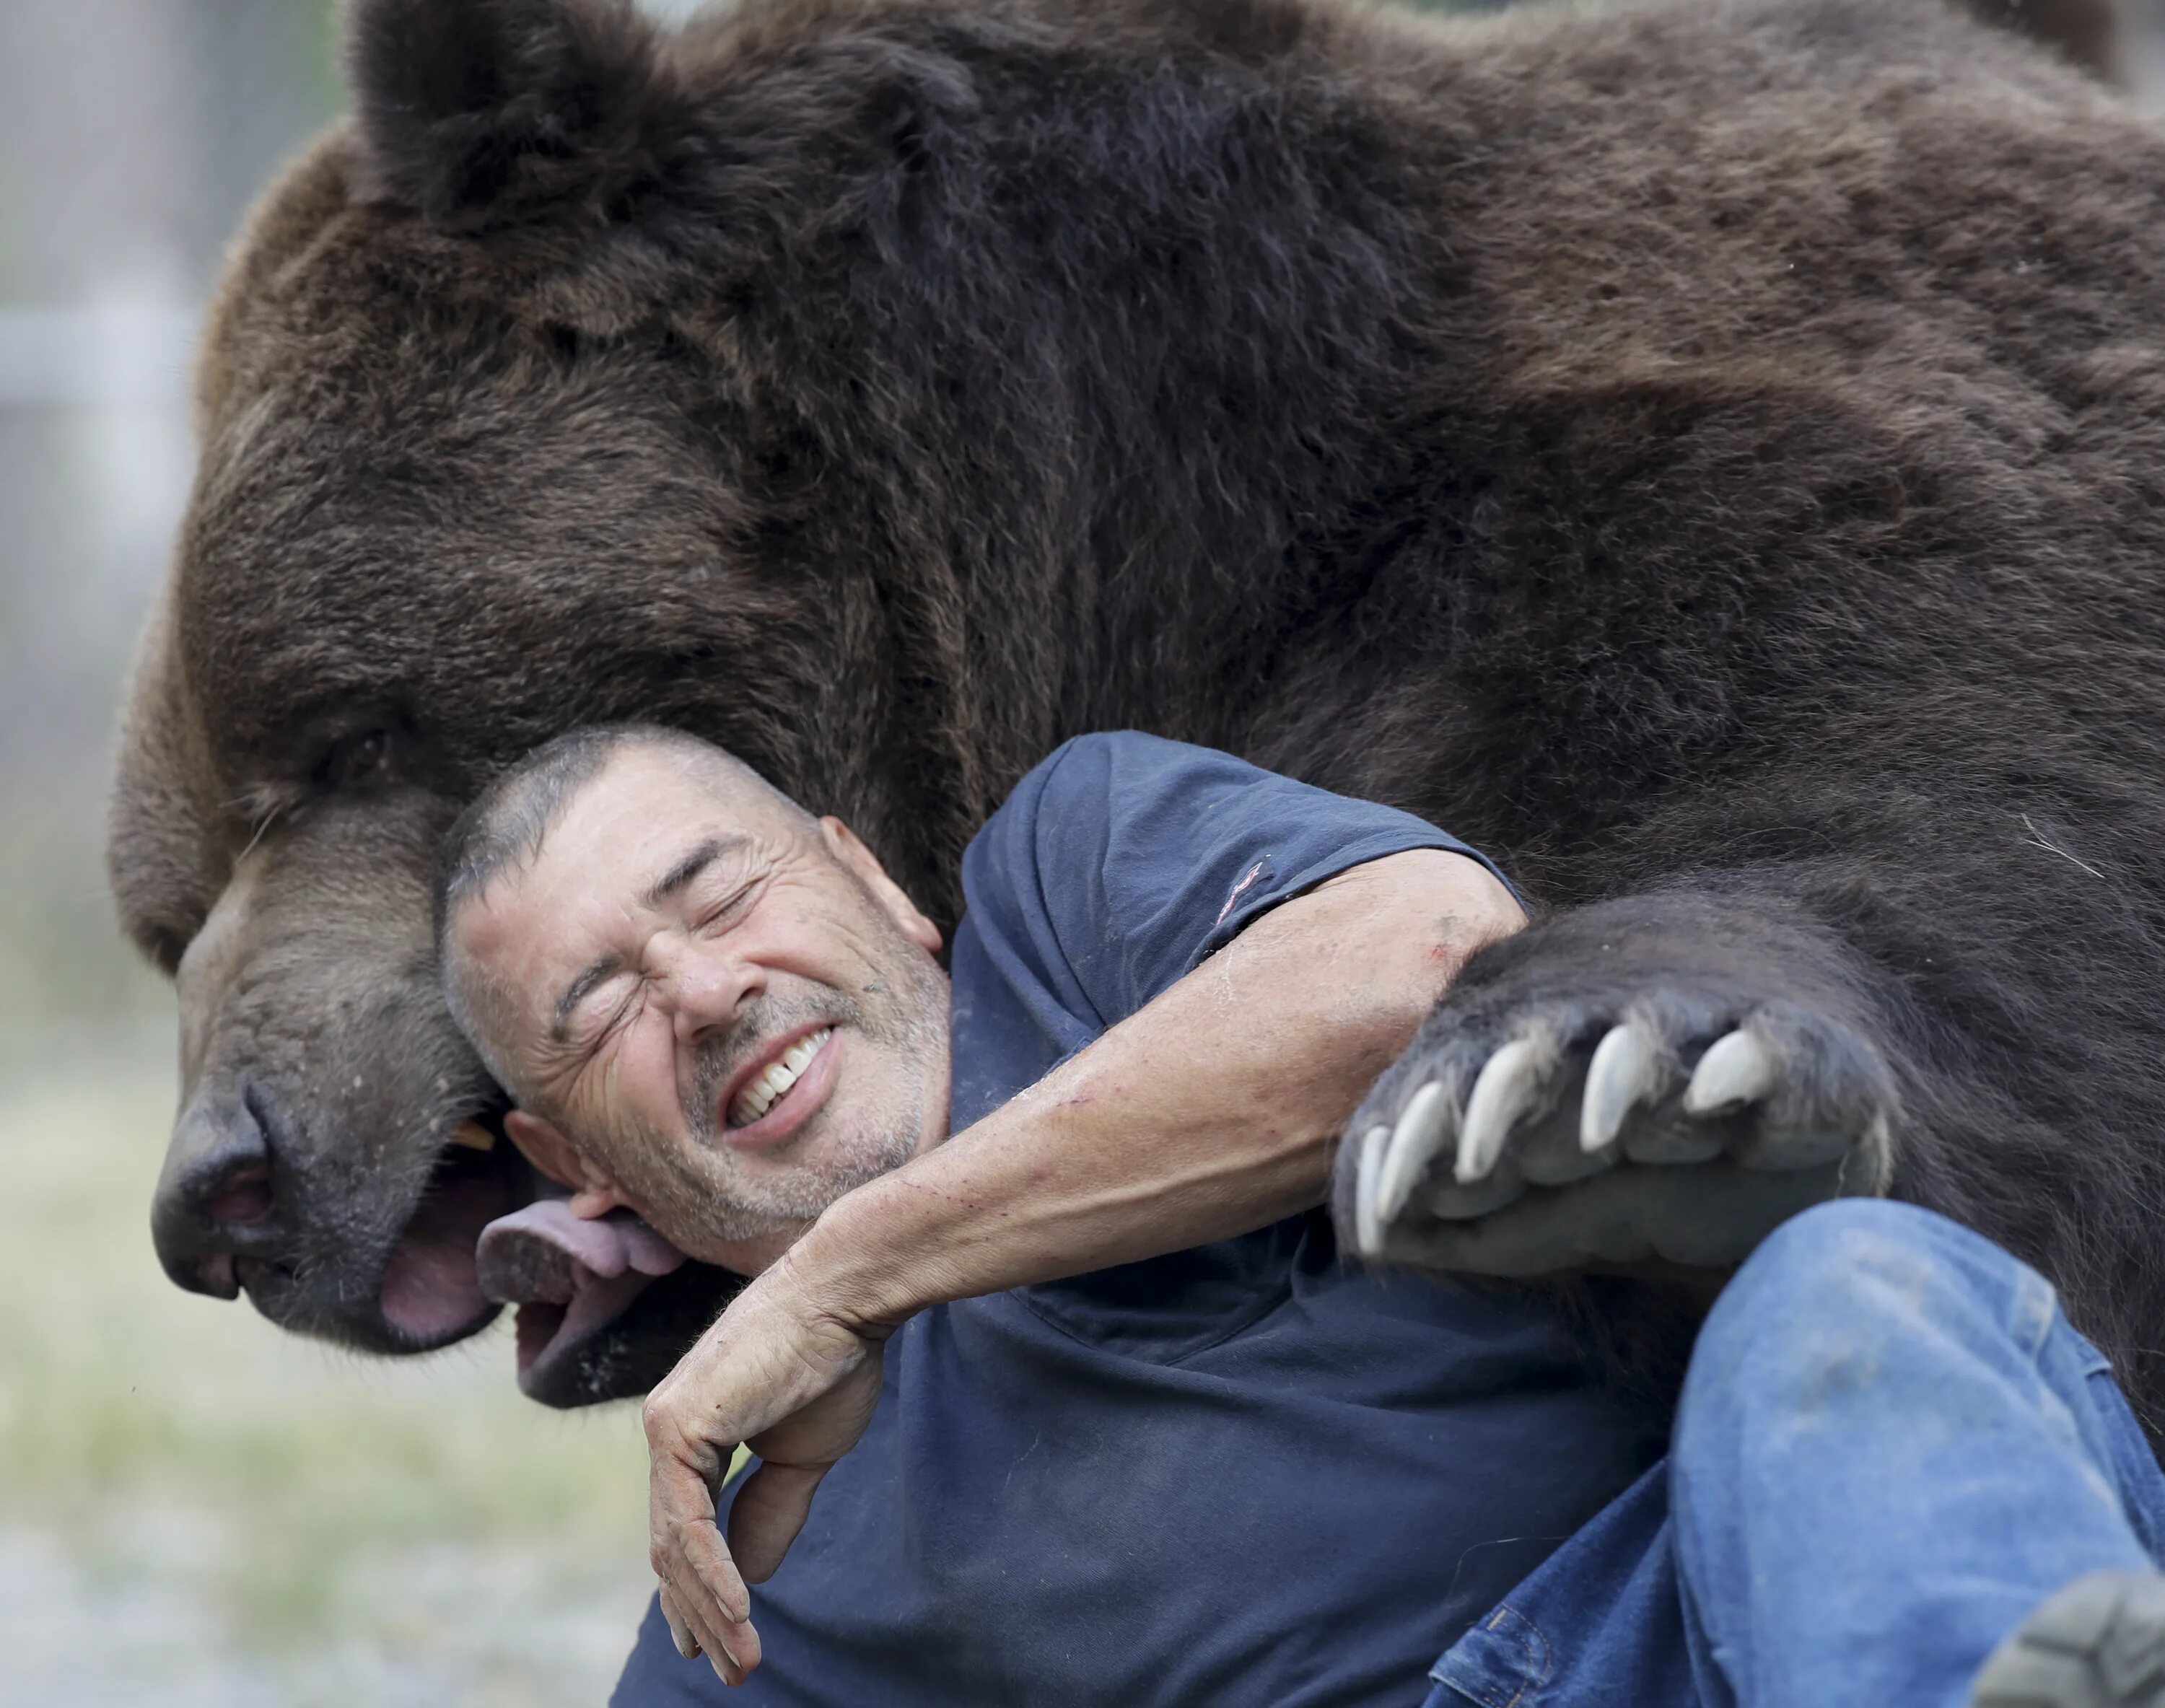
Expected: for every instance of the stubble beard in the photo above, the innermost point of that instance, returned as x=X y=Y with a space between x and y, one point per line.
x=710 y=1188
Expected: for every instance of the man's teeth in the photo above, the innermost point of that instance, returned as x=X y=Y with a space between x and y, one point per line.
x=758 y=1095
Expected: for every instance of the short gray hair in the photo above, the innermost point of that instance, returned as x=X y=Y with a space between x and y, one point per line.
x=503 y=828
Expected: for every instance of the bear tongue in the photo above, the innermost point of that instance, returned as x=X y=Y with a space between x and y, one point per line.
x=544 y=1254
x=569 y=1276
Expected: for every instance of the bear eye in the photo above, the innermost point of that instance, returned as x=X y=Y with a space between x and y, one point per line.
x=359 y=758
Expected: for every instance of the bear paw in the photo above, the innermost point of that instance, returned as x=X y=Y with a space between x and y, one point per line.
x=1670 y=1127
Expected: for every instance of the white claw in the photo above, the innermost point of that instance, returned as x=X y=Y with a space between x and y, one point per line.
x=1736 y=1070
x=1367 y=1227
x=1510 y=1080
x=1625 y=1071
x=1415 y=1142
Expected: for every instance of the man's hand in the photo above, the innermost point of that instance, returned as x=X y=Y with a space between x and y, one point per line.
x=794 y=1383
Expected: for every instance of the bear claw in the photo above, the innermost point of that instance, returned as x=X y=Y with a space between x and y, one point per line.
x=1509 y=1086
x=1736 y=1070
x=1411 y=1145
x=1626 y=1072
x=1533 y=1120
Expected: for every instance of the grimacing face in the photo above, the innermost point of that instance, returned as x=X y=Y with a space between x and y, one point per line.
x=712 y=1009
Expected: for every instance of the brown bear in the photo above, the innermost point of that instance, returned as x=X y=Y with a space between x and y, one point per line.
x=1711 y=458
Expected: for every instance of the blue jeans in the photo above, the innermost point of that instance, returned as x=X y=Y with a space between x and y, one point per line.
x=1890 y=1448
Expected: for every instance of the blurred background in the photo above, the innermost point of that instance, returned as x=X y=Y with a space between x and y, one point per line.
x=193 y=1508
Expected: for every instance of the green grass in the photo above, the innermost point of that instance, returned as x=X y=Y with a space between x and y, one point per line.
x=305 y=1497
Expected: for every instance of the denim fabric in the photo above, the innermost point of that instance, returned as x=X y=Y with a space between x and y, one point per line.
x=1890 y=1448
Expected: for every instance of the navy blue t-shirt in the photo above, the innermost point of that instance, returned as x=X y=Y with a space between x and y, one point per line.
x=1250 y=1473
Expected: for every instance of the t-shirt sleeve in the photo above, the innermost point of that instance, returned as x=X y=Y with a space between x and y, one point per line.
x=1125 y=860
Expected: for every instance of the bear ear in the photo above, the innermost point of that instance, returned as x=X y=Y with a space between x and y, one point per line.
x=481 y=111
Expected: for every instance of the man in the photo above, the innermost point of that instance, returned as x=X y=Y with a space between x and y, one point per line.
x=1146 y=1438
x=1891 y=1450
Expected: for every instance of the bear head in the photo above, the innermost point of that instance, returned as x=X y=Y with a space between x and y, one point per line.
x=753 y=380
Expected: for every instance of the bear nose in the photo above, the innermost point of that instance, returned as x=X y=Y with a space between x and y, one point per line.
x=212 y=1213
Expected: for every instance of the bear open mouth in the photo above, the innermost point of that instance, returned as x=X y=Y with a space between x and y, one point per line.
x=431 y=1292
x=571 y=1277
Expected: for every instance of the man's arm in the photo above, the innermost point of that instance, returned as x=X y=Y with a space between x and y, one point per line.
x=1210 y=1112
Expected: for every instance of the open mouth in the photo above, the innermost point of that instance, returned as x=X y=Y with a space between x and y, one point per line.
x=772 y=1082
x=431 y=1290
x=570 y=1276
x=775 y=1094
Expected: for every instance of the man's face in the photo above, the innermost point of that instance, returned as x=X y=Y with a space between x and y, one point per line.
x=730 y=1013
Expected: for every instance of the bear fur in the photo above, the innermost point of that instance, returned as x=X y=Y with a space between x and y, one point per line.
x=1710 y=457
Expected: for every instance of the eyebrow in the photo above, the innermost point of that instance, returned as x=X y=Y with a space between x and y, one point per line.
x=670 y=883
x=690 y=866
x=577 y=992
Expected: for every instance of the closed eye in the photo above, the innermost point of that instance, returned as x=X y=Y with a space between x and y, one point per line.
x=724 y=901
x=588 y=1042
x=723 y=911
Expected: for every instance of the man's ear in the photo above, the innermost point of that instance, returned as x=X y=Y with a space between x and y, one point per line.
x=492 y=111
x=846 y=846
x=593 y=1192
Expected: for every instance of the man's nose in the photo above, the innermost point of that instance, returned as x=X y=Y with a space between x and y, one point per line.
x=708 y=987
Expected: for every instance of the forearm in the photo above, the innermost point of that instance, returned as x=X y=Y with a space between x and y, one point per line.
x=1210 y=1112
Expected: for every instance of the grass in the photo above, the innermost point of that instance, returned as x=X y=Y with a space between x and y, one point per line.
x=302 y=1500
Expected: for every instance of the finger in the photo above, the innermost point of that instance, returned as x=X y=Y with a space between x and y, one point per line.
x=1508 y=1086
x=687 y=1554
x=681 y=1526
x=680 y=1633
x=732 y=1657
x=727 y=1667
x=732 y=1648
x=709 y=1591
x=765 y=1518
